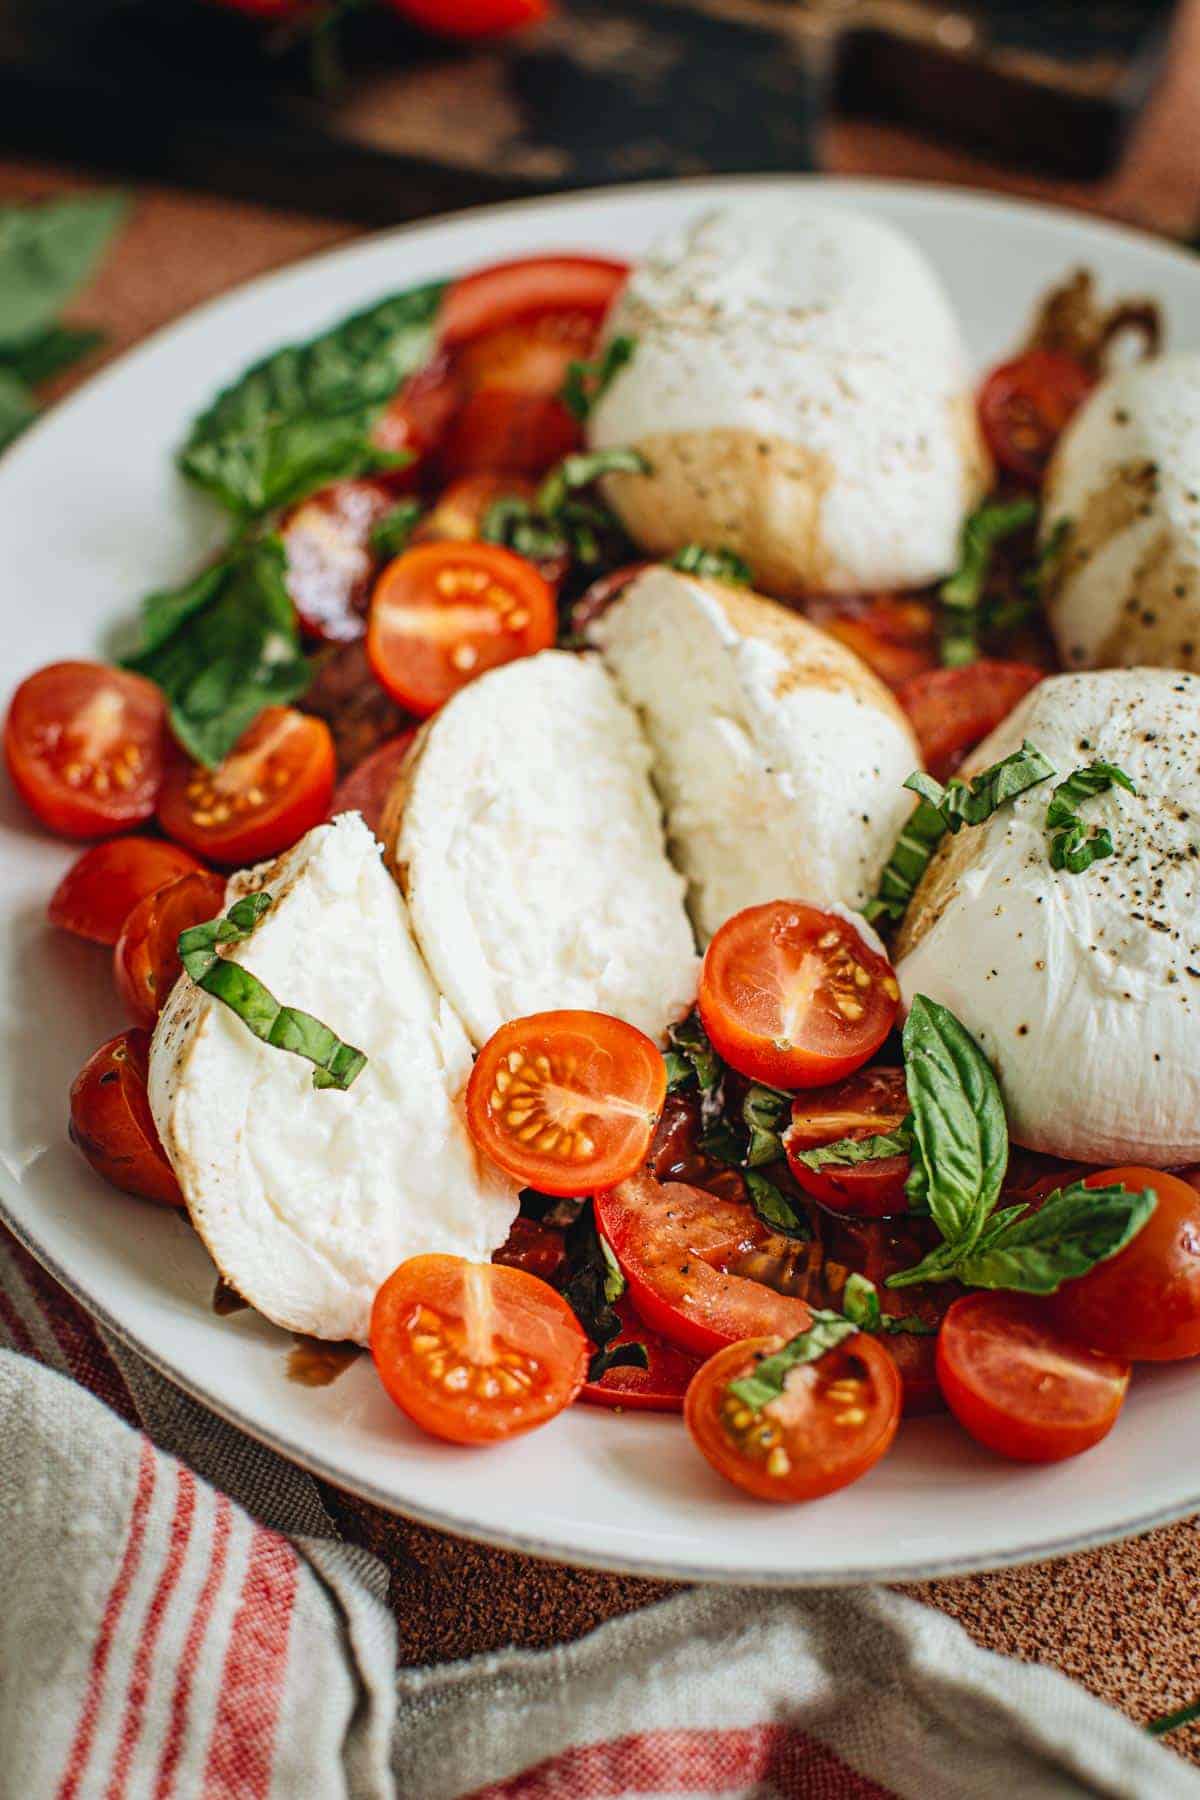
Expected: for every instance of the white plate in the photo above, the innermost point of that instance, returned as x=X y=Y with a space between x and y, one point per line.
x=91 y=516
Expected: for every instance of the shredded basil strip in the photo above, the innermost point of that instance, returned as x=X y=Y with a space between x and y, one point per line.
x=391 y=535
x=1072 y=846
x=911 y=856
x=285 y=1027
x=594 y=1285
x=714 y=565
x=847 y=1152
x=587 y=381
x=765 y=1112
x=767 y=1380
x=556 y=522
x=860 y=1303
x=580 y=470
x=774 y=1209
x=691 y=1056
x=962 y=594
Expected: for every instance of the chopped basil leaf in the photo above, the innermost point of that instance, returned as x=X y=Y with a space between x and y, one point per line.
x=579 y=471
x=766 y=1381
x=721 y=1142
x=50 y=352
x=689 y=1042
x=774 y=1209
x=223 y=647
x=848 y=1152
x=614 y=1280
x=302 y=417
x=285 y=1027
x=586 y=381
x=962 y=594
x=46 y=253
x=679 y=1071
x=390 y=536
x=909 y=860
x=1035 y=1251
x=1072 y=846
x=1037 y=579
x=715 y=565
x=594 y=1284
x=960 y=1134
x=557 y=522
x=765 y=1112
x=513 y=522
x=620 y=1356
x=860 y=1303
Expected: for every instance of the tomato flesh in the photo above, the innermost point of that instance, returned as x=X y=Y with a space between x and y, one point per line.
x=795 y=997
x=367 y=787
x=680 y=1249
x=275 y=785
x=892 y=634
x=952 y=710
x=85 y=745
x=834 y=1420
x=111 y=1122
x=444 y=613
x=566 y=1101
x=416 y=421
x=523 y=289
x=1025 y=405
x=658 y=1388
x=475 y=1352
x=870 y=1103
x=1143 y=1303
x=146 y=962
x=500 y=431
x=100 y=890
x=1021 y=1387
x=330 y=563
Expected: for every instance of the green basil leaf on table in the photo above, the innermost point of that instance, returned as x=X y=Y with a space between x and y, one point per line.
x=50 y=352
x=767 y=1379
x=17 y=406
x=46 y=253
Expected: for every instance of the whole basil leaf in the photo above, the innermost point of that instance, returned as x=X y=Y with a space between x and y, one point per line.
x=46 y=253
x=17 y=406
x=960 y=1134
x=302 y=417
x=1034 y=1252
x=51 y=351
x=774 y=1208
x=223 y=647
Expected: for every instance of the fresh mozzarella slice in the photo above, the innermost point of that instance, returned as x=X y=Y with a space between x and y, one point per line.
x=528 y=839
x=1084 y=990
x=779 y=756
x=1124 y=493
x=800 y=388
x=306 y=1198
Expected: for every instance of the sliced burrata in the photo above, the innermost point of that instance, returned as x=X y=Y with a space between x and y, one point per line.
x=800 y=389
x=1122 y=501
x=528 y=839
x=309 y=1198
x=778 y=755
x=1084 y=989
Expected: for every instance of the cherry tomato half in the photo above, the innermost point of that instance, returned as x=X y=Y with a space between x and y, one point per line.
x=1019 y=1386
x=275 y=785
x=658 y=1388
x=112 y=1125
x=952 y=710
x=146 y=963
x=680 y=1249
x=893 y=634
x=566 y=1102
x=500 y=431
x=100 y=890
x=330 y=564
x=84 y=745
x=444 y=613
x=1143 y=1303
x=532 y=285
x=474 y=1352
x=1024 y=406
x=795 y=997
x=870 y=1103
x=416 y=421
x=834 y=1420
x=366 y=788
x=459 y=513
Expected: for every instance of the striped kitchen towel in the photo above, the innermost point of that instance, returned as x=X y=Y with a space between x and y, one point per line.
x=179 y=1618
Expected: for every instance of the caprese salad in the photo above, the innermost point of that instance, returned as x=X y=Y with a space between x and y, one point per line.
x=613 y=894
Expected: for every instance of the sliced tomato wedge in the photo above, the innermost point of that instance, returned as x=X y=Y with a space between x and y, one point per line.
x=111 y=1122
x=444 y=613
x=367 y=787
x=893 y=633
x=566 y=1101
x=100 y=890
x=658 y=1388
x=952 y=710
x=416 y=421
x=1025 y=405
x=523 y=289
x=834 y=1420
x=275 y=785
x=504 y=432
x=870 y=1103
x=1020 y=1386
x=146 y=962
x=85 y=745
x=680 y=1249
x=330 y=563
x=475 y=1352
x=1143 y=1303
x=795 y=997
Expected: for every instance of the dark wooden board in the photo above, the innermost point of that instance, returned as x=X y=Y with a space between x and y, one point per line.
x=607 y=90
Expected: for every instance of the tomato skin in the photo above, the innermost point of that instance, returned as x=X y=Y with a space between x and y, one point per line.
x=416 y=420
x=286 y=758
x=674 y=1244
x=1025 y=405
x=458 y=515
x=952 y=710
x=111 y=1122
x=870 y=1103
x=101 y=889
x=659 y=1388
x=146 y=964
x=443 y=613
x=892 y=633
x=751 y=971
x=1020 y=1387
x=366 y=788
x=615 y=1077
x=471 y=18
x=1143 y=1303
x=500 y=431
x=505 y=292
x=84 y=745
x=330 y=564
x=822 y=1454
x=530 y=1363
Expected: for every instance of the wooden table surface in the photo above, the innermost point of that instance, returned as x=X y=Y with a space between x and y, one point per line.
x=1123 y=1620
